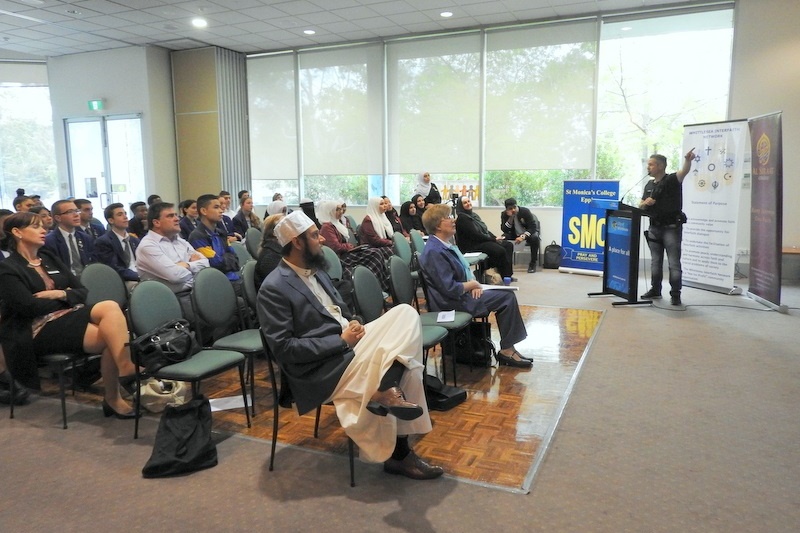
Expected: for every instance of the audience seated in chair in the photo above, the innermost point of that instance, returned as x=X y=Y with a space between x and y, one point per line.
x=163 y=256
x=117 y=248
x=89 y=224
x=213 y=244
x=372 y=373
x=472 y=235
x=520 y=225
x=71 y=245
x=44 y=312
x=451 y=286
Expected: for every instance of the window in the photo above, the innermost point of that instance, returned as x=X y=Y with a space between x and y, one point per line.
x=27 y=154
x=539 y=111
x=654 y=79
x=491 y=114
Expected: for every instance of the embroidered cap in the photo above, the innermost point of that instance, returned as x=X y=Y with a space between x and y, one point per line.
x=292 y=225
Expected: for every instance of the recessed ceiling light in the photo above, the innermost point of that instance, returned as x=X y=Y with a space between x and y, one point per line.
x=74 y=12
x=446 y=14
x=626 y=28
x=199 y=22
x=309 y=32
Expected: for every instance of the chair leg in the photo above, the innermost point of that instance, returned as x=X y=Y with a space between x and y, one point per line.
x=13 y=393
x=316 y=422
x=244 y=392
x=137 y=404
x=62 y=393
x=275 y=412
x=352 y=462
x=251 y=364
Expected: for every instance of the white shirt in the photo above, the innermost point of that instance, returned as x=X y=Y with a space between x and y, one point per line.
x=157 y=257
x=132 y=264
x=308 y=277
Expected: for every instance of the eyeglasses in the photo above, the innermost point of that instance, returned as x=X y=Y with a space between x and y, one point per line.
x=70 y=212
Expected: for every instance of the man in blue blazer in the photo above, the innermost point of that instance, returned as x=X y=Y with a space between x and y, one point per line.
x=68 y=220
x=110 y=248
x=89 y=224
x=372 y=373
x=451 y=286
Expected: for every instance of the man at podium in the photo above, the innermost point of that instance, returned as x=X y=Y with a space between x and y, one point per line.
x=662 y=201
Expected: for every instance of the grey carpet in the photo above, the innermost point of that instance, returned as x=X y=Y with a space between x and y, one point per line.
x=680 y=421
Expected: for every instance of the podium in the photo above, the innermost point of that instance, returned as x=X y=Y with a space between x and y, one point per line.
x=621 y=252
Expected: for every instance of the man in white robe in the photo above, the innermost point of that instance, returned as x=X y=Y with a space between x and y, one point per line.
x=372 y=373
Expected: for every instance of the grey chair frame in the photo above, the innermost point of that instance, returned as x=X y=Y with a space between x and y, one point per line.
x=168 y=308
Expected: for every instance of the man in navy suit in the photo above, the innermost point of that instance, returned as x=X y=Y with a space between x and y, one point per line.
x=116 y=248
x=71 y=244
x=89 y=224
x=367 y=371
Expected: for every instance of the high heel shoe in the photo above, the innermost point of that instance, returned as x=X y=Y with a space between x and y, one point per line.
x=109 y=411
x=510 y=361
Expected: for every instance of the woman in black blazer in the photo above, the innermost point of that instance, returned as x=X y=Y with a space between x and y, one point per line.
x=43 y=311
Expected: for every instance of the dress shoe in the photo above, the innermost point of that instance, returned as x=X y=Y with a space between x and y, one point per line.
x=412 y=467
x=393 y=402
x=109 y=411
x=675 y=299
x=21 y=394
x=652 y=294
x=508 y=360
x=525 y=357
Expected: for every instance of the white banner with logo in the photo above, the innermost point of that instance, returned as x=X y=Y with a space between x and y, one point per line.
x=711 y=193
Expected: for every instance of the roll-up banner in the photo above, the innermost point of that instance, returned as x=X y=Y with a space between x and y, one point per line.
x=766 y=211
x=711 y=194
x=583 y=225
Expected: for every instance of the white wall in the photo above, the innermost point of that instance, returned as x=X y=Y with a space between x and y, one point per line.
x=766 y=78
x=131 y=80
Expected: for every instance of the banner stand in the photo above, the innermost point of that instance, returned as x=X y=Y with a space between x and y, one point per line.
x=730 y=291
x=781 y=308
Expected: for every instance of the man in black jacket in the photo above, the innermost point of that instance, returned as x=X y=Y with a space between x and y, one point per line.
x=519 y=224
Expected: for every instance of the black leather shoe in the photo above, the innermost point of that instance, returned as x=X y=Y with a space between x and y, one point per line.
x=652 y=294
x=508 y=360
x=531 y=268
x=393 y=402
x=109 y=411
x=413 y=466
x=675 y=299
x=21 y=394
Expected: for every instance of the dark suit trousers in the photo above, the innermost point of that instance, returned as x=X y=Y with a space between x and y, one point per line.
x=509 y=320
x=500 y=253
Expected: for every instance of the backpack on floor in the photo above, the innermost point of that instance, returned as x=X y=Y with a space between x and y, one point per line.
x=552 y=255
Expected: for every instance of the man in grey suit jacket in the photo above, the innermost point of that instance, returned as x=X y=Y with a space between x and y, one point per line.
x=365 y=370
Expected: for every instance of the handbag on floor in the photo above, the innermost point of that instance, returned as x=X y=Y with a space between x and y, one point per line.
x=183 y=441
x=442 y=397
x=156 y=394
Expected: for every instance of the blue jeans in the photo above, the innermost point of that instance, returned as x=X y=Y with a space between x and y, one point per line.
x=660 y=238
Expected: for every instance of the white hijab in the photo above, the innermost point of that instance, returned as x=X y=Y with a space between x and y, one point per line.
x=422 y=188
x=276 y=208
x=327 y=213
x=379 y=221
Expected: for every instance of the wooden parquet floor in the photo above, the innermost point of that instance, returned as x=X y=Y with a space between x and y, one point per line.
x=493 y=438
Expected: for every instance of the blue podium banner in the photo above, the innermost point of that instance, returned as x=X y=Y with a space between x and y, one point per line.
x=619 y=254
x=583 y=225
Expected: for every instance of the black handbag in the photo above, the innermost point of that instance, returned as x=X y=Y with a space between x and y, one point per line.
x=473 y=345
x=170 y=343
x=183 y=441
x=552 y=255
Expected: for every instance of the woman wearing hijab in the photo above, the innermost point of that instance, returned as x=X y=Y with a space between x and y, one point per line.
x=376 y=231
x=336 y=238
x=472 y=235
x=427 y=189
x=419 y=202
x=394 y=218
x=410 y=219
x=308 y=208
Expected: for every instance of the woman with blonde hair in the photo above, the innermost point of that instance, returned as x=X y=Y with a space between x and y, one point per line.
x=246 y=218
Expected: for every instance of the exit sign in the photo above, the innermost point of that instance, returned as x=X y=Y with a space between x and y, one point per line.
x=96 y=105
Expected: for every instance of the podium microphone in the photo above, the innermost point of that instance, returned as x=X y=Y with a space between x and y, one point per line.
x=621 y=198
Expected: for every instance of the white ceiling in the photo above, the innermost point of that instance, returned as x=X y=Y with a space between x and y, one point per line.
x=41 y=28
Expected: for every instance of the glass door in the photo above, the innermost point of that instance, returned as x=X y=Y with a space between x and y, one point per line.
x=106 y=163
